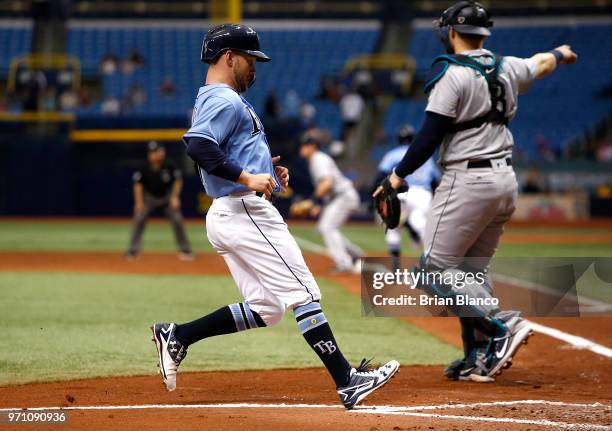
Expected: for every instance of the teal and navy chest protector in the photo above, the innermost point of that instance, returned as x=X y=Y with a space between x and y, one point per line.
x=490 y=72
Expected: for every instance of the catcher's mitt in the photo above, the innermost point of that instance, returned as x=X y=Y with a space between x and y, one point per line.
x=301 y=209
x=388 y=204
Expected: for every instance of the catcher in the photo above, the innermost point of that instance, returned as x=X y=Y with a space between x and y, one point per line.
x=473 y=95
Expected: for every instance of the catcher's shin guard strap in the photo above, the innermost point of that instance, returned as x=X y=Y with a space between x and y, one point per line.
x=244 y=317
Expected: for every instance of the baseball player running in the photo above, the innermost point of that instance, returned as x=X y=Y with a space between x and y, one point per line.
x=472 y=97
x=228 y=143
x=339 y=199
x=416 y=201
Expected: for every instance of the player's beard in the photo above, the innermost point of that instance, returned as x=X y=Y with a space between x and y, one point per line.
x=244 y=82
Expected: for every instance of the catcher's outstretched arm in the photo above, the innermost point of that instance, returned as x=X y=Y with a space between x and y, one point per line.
x=546 y=62
x=424 y=145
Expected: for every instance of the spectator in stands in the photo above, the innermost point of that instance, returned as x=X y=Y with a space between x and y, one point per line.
x=137 y=95
x=132 y=62
x=84 y=96
x=34 y=83
x=109 y=64
x=307 y=115
x=544 y=147
x=110 y=106
x=362 y=81
x=351 y=109
x=167 y=88
x=533 y=184
x=68 y=100
x=330 y=88
x=4 y=105
x=49 y=99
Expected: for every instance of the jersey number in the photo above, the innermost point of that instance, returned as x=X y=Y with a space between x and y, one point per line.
x=256 y=122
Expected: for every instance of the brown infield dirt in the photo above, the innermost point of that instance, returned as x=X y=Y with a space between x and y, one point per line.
x=545 y=369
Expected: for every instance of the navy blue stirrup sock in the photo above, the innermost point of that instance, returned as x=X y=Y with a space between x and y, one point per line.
x=318 y=334
x=226 y=320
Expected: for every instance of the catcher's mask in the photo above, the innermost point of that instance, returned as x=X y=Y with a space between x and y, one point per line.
x=466 y=17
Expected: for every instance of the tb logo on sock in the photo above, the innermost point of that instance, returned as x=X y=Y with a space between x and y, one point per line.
x=326 y=347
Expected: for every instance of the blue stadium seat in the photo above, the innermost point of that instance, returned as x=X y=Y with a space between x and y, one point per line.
x=15 y=39
x=299 y=56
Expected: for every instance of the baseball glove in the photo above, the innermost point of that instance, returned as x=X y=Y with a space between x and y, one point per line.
x=301 y=209
x=388 y=204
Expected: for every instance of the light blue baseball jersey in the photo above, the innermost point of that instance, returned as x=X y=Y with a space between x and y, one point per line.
x=422 y=177
x=223 y=116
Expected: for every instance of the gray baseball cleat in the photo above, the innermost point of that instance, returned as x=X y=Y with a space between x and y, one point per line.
x=473 y=368
x=452 y=370
x=170 y=351
x=363 y=381
x=502 y=349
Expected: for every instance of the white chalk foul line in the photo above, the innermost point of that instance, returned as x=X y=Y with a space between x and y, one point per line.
x=180 y=406
x=380 y=410
x=589 y=304
x=310 y=246
x=312 y=406
x=540 y=422
x=495 y=404
x=573 y=340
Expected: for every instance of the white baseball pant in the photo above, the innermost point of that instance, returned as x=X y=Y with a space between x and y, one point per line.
x=263 y=257
x=333 y=216
x=415 y=208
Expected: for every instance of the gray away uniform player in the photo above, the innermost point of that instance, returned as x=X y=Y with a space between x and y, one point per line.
x=472 y=97
x=228 y=143
x=340 y=200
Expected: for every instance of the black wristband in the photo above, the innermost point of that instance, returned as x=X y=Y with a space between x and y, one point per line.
x=558 y=55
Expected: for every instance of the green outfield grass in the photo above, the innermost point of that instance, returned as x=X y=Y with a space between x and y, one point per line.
x=63 y=326
x=113 y=236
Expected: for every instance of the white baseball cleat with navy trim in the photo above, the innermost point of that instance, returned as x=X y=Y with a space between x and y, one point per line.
x=170 y=352
x=363 y=381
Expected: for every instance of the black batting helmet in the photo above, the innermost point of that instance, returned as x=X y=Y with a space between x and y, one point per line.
x=237 y=37
x=466 y=17
x=405 y=134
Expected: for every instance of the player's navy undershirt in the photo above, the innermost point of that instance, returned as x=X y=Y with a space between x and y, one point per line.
x=211 y=158
x=425 y=143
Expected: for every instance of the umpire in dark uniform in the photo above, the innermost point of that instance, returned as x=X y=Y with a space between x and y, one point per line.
x=157 y=186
